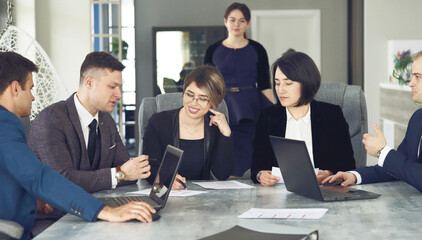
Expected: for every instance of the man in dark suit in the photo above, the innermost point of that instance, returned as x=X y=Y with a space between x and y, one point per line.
x=23 y=177
x=405 y=163
x=78 y=138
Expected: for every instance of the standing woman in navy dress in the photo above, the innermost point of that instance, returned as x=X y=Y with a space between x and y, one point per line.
x=244 y=66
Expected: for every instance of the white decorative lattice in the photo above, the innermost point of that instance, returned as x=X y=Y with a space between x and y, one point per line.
x=47 y=86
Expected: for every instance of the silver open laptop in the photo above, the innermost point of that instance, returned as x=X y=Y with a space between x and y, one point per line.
x=162 y=184
x=299 y=175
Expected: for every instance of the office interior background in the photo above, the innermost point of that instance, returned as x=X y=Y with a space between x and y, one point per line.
x=63 y=28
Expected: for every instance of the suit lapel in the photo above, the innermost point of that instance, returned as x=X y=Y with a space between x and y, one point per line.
x=279 y=121
x=317 y=123
x=74 y=119
x=417 y=141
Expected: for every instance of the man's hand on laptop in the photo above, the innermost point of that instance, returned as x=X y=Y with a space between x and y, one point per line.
x=323 y=174
x=137 y=168
x=133 y=210
x=345 y=177
x=267 y=179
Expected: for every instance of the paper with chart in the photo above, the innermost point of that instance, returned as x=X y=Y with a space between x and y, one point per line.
x=275 y=171
x=286 y=213
x=173 y=193
x=231 y=184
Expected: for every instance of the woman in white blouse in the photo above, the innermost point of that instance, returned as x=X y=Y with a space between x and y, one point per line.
x=297 y=115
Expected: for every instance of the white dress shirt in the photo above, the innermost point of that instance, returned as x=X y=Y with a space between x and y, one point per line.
x=381 y=159
x=86 y=118
x=301 y=129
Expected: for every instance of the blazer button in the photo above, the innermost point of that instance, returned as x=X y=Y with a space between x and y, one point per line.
x=32 y=212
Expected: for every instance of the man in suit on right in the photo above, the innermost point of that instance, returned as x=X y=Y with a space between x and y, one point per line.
x=405 y=163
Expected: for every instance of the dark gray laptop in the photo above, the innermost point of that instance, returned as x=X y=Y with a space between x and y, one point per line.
x=299 y=175
x=162 y=184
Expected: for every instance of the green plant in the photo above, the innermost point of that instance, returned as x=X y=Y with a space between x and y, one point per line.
x=115 y=48
x=402 y=67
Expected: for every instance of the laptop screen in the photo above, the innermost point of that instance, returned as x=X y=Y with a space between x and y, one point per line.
x=295 y=166
x=166 y=174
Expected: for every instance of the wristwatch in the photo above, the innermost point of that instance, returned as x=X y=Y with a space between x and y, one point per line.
x=379 y=152
x=120 y=175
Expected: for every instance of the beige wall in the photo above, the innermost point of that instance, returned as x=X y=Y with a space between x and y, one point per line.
x=385 y=20
x=170 y=13
x=63 y=30
x=24 y=15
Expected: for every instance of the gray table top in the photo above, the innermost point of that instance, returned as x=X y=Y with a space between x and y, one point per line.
x=395 y=215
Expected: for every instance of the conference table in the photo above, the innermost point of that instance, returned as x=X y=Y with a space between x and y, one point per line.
x=395 y=215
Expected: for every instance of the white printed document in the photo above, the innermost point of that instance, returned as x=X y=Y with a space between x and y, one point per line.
x=173 y=193
x=231 y=184
x=286 y=213
x=275 y=171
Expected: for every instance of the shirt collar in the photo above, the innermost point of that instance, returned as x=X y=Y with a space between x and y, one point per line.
x=306 y=119
x=84 y=116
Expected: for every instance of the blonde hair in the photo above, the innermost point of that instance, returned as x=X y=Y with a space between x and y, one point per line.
x=209 y=80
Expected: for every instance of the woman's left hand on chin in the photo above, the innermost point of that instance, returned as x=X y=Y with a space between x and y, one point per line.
x=219 y=120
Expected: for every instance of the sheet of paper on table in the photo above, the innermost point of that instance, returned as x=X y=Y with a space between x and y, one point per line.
x=275 y=171
x=231 y=184
x=287 y=213
x=173 y=193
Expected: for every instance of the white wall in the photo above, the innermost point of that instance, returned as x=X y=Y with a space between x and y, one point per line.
x=24 y=15
x=63 y=30
x=385 y=20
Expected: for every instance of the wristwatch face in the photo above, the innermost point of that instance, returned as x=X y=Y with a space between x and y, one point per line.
x=120 y=175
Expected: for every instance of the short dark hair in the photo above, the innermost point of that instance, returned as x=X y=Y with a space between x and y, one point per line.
x=100 y=60
x=208 y=79
x=14 y=66
x=241 y=7
x=299 y=67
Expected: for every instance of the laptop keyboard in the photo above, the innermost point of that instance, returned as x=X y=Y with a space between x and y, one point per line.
x=123 y=200
x=328 y=194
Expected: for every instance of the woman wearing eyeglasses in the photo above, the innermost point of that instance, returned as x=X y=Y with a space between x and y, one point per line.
x=202 y=132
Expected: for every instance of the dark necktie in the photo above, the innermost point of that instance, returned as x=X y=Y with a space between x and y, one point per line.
x=420 y=150
x=92 y=138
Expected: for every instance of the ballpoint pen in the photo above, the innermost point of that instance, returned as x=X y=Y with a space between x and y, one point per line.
x=183 y=184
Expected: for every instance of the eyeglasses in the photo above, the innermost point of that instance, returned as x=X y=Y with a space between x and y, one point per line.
x=200 y=100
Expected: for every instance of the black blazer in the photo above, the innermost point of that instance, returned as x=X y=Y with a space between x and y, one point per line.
x=163 y=129
x=332 y=148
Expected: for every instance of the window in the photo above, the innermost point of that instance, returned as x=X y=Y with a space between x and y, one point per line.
x=114 y=32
